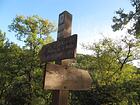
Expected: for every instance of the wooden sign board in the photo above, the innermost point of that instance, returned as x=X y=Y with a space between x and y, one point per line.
x=60 y=77
x=62 y=49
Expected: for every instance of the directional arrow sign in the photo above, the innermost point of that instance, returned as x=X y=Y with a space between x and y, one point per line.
x=60 y=77
x=62 y=49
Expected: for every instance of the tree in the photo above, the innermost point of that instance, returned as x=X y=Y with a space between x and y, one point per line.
x=2 y=38
x=120 y=22
x=110 y=71
x=34 y=31
x=123 y=19
x=9 y=72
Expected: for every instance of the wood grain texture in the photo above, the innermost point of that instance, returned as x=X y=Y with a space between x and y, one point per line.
x=59 y=50
x=62 y=77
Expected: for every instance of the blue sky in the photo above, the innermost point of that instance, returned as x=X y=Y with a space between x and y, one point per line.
x=90 y=17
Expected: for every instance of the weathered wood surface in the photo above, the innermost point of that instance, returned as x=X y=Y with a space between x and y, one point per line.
x=62 y=49
x=64 y=25
x=60 y=97
x=62 y=77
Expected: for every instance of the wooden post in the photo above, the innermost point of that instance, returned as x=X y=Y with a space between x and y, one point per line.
x=60 y=97
x=60 y=77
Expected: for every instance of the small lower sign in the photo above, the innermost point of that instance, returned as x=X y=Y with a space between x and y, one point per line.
x=60 y=77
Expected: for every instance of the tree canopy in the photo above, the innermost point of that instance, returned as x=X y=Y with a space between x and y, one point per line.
x=123 y=18
x=115 y=80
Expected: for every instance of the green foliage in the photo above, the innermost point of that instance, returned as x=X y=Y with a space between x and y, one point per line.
x=115 y=81
x=2 y=38
x=20 y=70
x=9 y=71
x=124 y=18
x=131 y=84
x=32 y=30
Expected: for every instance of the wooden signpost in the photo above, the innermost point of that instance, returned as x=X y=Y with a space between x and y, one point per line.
x=58 y=77
x=62 y=49
x=66 y=78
